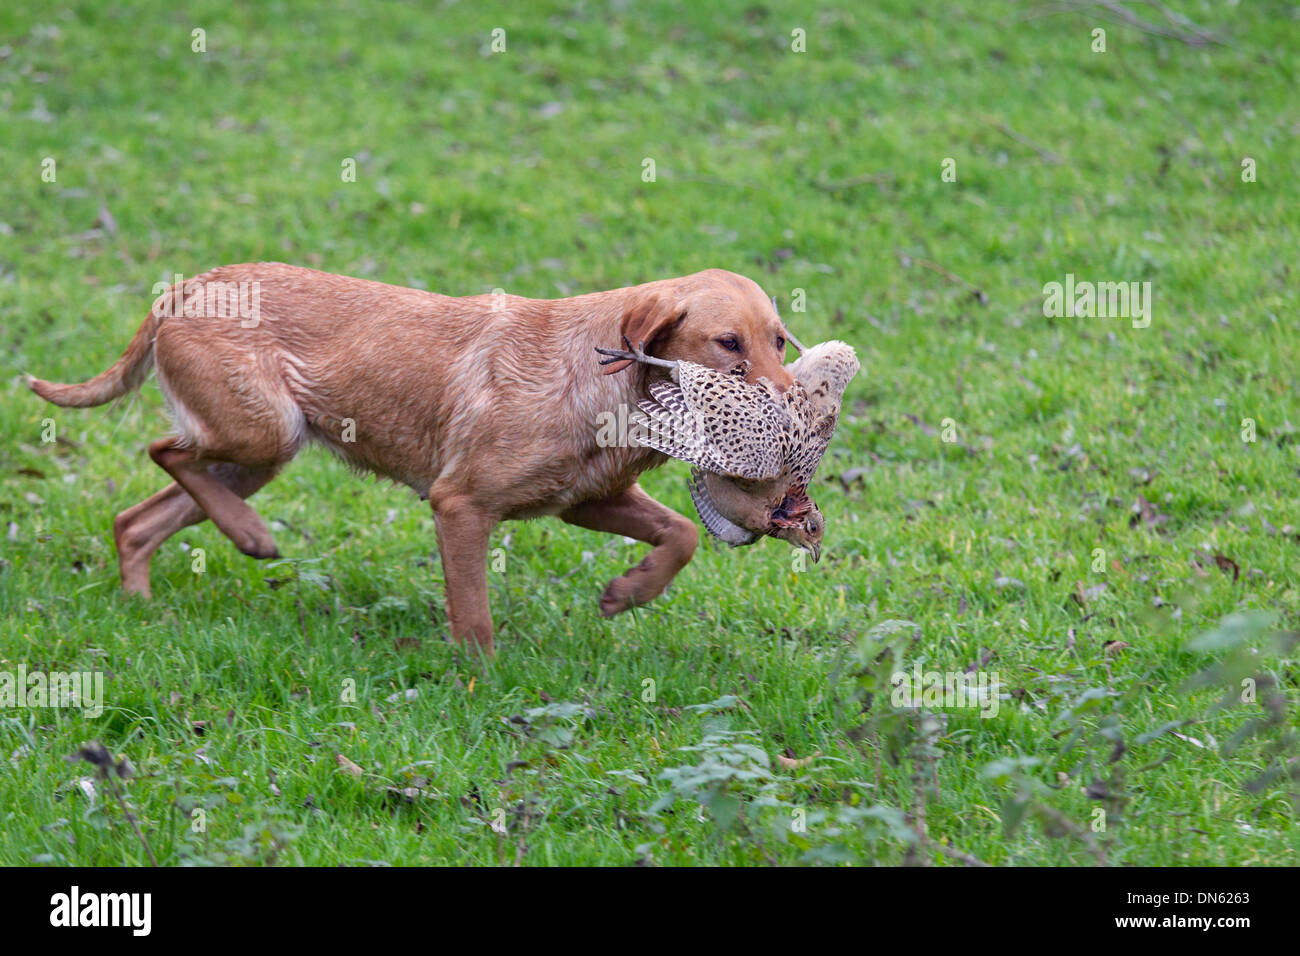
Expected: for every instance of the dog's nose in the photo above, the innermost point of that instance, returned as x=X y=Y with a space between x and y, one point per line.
x=782 y=381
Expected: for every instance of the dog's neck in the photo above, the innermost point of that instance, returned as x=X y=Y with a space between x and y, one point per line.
x=606 y=403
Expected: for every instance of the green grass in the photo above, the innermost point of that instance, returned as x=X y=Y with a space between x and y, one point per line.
x=522 y=170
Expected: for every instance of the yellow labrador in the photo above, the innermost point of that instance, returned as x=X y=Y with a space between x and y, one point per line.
x=488 y=406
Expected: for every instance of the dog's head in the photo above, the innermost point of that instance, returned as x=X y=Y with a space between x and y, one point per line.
x=717 y=319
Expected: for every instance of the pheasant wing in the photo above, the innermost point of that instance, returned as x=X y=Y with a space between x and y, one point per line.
x=716 y=422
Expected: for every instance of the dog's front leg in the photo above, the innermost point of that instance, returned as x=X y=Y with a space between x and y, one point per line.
x=464 y=531
x=637 y=515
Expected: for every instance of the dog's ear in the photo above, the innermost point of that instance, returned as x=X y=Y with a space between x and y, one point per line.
x=647 y=319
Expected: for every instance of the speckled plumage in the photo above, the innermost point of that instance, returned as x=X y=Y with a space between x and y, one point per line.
x=755 y=448
x=724 y=425
x=717 y=422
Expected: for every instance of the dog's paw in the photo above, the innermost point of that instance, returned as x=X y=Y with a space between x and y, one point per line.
x=619 y=596
x=256 y=546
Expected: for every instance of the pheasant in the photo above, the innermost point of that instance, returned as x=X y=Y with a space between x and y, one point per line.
x=754 y=449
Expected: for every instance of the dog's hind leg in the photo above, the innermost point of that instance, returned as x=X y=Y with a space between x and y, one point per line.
x=141 y=530
x=238 y=426
x=227 y=509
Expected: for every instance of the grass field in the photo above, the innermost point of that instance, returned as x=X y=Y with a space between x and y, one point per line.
x=1111 y=529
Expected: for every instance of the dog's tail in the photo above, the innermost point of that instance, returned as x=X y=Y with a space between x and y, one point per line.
x=121 y=377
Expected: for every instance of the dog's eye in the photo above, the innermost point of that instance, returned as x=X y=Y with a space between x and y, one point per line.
x=730 y=343
x=780 y=343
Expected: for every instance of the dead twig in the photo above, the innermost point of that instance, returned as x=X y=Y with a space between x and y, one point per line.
x=866 y=178
x=975 y=290
x=955 y=854
x=1176 y=26
x=1045 y=154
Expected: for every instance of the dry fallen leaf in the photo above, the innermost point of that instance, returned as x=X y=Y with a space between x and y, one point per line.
x=1146 y=514
x=928 y=429
x=87 y=785
x=347 y=766
x=400 y=795
x=1086 y=596
x=794 y=763
x=1225 y=564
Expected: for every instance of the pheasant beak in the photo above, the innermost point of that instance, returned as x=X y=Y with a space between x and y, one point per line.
x=800 y=540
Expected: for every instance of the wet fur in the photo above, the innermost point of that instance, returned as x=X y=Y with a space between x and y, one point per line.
x=486 y=405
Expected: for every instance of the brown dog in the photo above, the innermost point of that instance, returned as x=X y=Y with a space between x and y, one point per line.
x=487 y=405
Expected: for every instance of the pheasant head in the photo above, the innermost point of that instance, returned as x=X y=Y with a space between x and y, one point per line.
x=799 y=521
